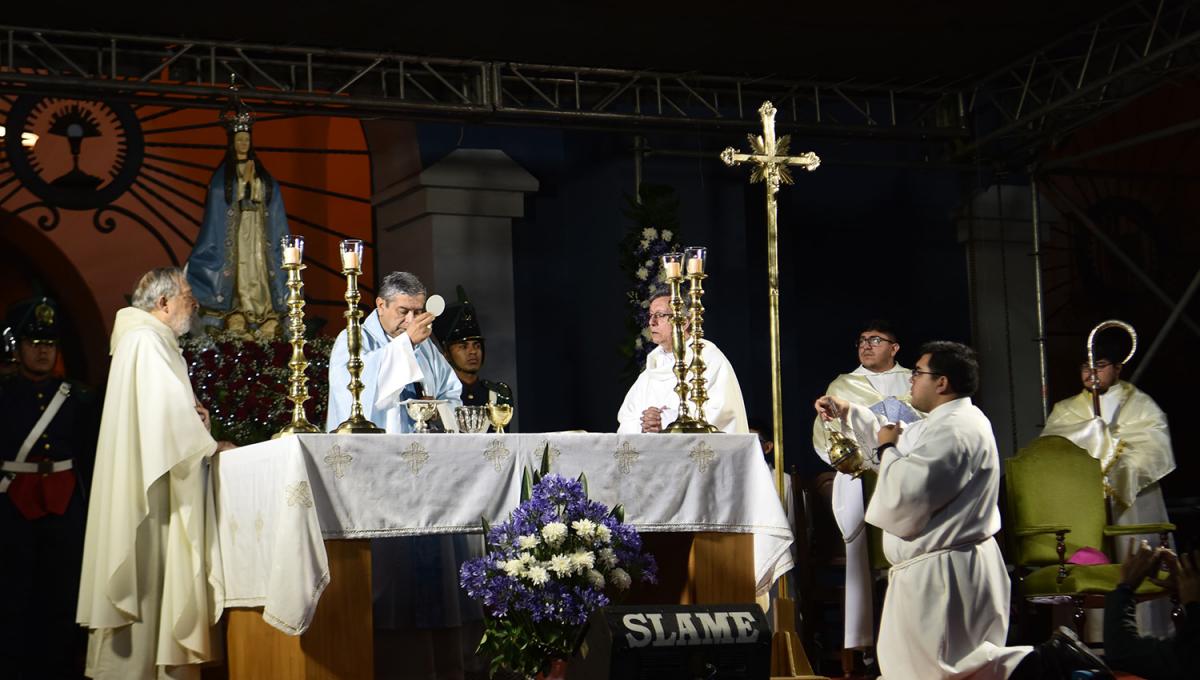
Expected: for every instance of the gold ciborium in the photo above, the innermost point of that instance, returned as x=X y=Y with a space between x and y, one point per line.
x=293 y=253
x=499 y=414
x=845 y=455
x=422 y=411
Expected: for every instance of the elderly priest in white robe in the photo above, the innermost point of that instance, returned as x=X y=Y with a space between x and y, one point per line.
x=421 y=618
x=144 y=593
x=652 y=404
x=880 y=384
x=945 y=614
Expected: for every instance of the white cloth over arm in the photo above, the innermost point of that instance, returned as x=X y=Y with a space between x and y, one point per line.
x=655 y=386
x=389 y=366
x=150 y=431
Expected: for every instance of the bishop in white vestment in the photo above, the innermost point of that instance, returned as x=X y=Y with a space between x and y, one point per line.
x=651 y=402
x=1131 y=440
x=144 y=592
x=881 y=385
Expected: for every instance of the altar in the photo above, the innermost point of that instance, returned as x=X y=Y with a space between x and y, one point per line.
x=291 y=514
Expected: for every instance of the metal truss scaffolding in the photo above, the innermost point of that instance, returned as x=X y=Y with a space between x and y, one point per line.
x=172 y=72
x=1004 y=118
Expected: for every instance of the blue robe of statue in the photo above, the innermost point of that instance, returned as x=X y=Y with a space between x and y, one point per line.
x=439 y=379
x=414 y=580
x=212 y=266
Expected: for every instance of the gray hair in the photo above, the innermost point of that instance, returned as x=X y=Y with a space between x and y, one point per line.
x=657 y=292
x=400 y=283
x=157 y=283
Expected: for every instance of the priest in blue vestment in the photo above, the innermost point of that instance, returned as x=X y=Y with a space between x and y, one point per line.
x=424 y=625
x=398 y=362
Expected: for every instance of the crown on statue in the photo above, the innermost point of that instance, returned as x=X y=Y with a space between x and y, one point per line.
x=237 y=116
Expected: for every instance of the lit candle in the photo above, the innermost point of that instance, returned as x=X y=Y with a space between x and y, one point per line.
x=349 y=259
x=673 y=269
x=291 y=255
x=695 y=266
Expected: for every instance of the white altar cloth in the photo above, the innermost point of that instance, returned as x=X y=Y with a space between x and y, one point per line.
x=276 y=501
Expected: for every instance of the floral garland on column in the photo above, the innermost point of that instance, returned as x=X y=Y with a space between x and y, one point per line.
x=655 y=232
x=244 y=383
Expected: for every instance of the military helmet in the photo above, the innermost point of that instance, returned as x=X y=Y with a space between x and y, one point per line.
x=35 y=319
x=459 y=322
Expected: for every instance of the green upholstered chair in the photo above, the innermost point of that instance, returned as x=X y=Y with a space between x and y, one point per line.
x=1056 y=505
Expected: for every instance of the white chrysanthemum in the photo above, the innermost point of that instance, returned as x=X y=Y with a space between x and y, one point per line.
x=527 y=558
x=554 y=533
x=595 y=578
x=539 y=575
x=608 y=558
x=645 y=244
x=620 y=578
x=528 y=542
x=667 y=235
x=649 y=263
x=603 y=533
x=584 y=527
x=583 y=559
x=642 y=273
x=514 y=567
x=649 y=232
x=561 y=564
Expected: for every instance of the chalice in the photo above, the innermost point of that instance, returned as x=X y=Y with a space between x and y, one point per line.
x=421 y=410
x=499 y=414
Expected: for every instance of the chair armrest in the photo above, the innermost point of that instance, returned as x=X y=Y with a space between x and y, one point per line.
x=1037 y=529
x=1131 y=529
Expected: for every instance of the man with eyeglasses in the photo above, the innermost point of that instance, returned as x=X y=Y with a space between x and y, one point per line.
x=881 y=385
x=651 y=403
x=946 y=611
x=47 y=445
x=1133 y=445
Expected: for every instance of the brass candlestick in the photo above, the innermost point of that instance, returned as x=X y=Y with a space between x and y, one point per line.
x=298 y=381
x=695 y=272
x=352 y=269
x=673 y=268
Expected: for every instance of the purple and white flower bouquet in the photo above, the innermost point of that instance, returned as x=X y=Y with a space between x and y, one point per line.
x=557 y=559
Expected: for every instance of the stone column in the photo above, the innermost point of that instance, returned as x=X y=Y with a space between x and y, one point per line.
x=451 y=224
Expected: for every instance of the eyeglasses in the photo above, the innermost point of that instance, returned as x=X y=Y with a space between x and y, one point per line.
x=874 y=341
x=656 y=317
x=1100 y=365
x=916 y=373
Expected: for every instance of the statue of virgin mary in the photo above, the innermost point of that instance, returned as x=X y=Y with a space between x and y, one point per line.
x=234 y=269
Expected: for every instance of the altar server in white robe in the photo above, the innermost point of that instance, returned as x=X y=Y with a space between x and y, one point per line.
x=1131 y=440
x=651 y=402
x=880 y=384
x=946 y=610
x=398 y=363
x=144 y=592
x=419 y=609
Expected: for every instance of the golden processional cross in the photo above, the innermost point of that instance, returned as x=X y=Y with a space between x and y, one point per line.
x=771 y=161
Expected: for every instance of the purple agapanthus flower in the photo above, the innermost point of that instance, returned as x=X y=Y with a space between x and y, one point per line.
x=555 y=560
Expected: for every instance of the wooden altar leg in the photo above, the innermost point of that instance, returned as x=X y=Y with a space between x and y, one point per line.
x=336 y=645
x=721 y=569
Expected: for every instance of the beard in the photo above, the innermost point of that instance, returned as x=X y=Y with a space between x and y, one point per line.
x=184 y=323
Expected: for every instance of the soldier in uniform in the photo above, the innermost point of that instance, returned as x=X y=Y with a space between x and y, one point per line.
x=463 y=344
x=47 y=447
